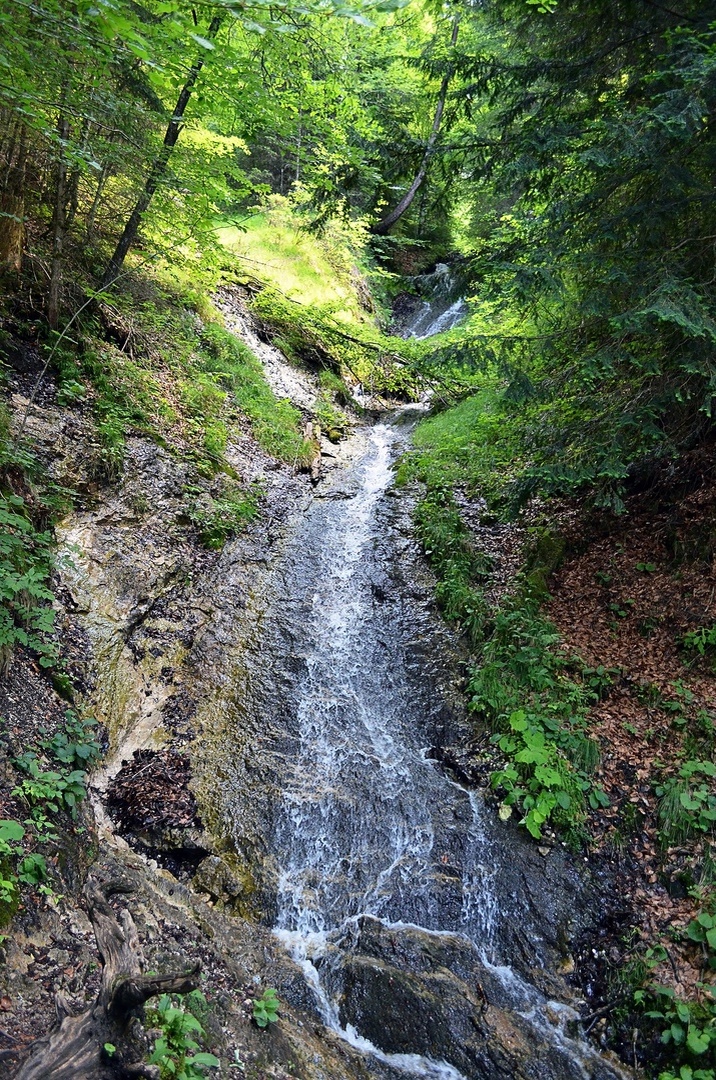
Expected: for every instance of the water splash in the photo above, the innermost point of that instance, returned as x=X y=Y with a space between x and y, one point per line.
x=367 y=825
x=306 y=950
x=430 y=319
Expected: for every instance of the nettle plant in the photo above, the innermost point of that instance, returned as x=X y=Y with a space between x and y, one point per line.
x=176 y=1051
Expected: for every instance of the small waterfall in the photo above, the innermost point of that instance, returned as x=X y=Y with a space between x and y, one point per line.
x=375 y=848
x=441 y=308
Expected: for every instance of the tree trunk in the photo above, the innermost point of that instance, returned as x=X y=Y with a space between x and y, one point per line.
x=75 y=1049
x=103 y=177
x=58 y=225
x=73 y=185
x=158 y=169
x=12 y=204
x=386 y=224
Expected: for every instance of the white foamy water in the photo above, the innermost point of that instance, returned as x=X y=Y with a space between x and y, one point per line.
x=366 y=824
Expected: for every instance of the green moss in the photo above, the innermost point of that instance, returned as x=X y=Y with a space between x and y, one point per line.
x=315 y=337
x=543 y=555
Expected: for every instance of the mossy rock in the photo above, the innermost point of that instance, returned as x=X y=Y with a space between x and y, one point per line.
x=544 y=555
x=545 y=549
x=228 y=881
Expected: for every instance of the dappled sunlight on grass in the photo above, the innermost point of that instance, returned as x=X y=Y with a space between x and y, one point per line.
x=306 y=268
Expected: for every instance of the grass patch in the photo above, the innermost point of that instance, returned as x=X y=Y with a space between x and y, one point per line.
x=217 y=517
x=314 y=270
x=474 y=445
x=529 y=693
x=155 y=368
x=276 y=424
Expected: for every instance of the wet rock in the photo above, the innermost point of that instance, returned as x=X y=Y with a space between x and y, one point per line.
x=410 y=991
x=226 y=880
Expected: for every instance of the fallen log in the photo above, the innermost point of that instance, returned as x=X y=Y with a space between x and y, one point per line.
x=77 y=1048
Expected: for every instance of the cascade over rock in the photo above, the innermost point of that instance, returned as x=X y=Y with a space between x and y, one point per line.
x=305 y=674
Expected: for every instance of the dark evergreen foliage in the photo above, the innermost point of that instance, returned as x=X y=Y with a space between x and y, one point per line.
x=602 y=140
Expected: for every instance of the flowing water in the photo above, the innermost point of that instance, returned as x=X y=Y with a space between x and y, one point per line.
x=435 y=318
x=441 y=309
x=371 y=841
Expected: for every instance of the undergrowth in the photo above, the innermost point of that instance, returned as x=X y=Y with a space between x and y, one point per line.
x=220 y=516
x=154 y=367
x=51 y=782
x=29 y=503
x=357 y=353
x=176 y=1050
x=531 y=695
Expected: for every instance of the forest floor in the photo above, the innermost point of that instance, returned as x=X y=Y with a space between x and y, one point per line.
x=625 y=600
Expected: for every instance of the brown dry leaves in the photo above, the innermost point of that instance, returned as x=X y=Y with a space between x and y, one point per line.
x=625 y=602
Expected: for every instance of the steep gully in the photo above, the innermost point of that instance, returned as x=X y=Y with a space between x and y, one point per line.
x=425 y=932
x=428 y=937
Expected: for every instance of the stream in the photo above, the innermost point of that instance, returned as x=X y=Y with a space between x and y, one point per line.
x=438 y=306
x=393 y=891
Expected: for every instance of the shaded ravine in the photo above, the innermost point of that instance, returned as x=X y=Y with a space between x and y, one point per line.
x=393 y=892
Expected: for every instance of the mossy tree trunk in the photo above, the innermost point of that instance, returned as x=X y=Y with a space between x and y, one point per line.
x=12 y=200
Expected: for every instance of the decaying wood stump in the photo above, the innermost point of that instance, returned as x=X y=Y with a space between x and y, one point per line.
x=74 y=1050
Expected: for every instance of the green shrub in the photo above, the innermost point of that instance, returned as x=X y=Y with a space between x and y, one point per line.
x=176 y=1051
x=71 y=750
x=26 y=617
x=314 y=336
x=332 y=420
x=525 y=690
x=687 y=803
x=702 y=641
x=531 y=695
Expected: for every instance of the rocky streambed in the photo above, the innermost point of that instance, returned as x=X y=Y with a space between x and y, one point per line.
x=271 y=795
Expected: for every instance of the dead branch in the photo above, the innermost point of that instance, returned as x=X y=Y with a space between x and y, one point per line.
x=74 y=1050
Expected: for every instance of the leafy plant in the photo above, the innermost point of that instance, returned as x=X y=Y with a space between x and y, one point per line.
x=32 y=870
x=74 y=743
x=53 y=789
x=332 y=420
x=176 y=1051
x=701 y=641
x=687 y=803
x=26 y=615
x=15 y=867
x=219 y=517
x=687 y=1025
x=11 y=833
x=266 y=1008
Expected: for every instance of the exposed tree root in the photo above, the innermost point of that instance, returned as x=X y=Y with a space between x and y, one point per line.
x=75 y=1049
